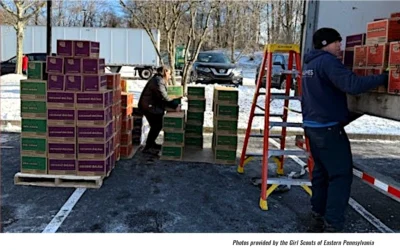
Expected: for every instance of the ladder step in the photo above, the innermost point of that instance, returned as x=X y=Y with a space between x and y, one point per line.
x=284 y=97
x=262 y=136
x=278 y=152
x=286 y=124
x=288 y=72
x=271 y=115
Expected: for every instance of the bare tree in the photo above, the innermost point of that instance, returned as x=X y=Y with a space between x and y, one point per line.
x=21 y=12
x=196 y=35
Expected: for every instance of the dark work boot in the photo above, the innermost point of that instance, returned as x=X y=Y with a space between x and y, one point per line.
x=317 y=223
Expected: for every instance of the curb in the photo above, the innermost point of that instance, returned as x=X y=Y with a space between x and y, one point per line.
x=242 y=131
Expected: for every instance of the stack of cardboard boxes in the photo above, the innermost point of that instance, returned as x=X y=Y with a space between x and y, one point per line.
x=114 y=83
x=174 y=129
x=226 y=116
x=137 y=125
x=379 y=51
x=195 y=116
x=72 y=114
x=127 y=126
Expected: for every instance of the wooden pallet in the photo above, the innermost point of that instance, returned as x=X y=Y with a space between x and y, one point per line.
x=44 y=180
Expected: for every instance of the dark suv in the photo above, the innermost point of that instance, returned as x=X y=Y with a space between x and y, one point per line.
x=8 y=66
x=280 y=63
x=215 y=67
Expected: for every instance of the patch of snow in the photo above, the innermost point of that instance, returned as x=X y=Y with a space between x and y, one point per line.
x=11 y=79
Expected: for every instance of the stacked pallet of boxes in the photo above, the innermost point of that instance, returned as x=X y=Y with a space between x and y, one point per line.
x=137 y=125
x=33 y=93
x=79 y=111
x=174 y=129
x=114 y=84
x=380 y=51
x=126 y=144
x=195 y=117
x=226 y=116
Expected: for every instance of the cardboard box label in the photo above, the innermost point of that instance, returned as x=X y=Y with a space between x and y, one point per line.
x=73 y=83
x=34 y=125
x=225 y=140
x=226 y=125
x=33 y=163
x=100 y=100
x=61 y=98
x=196 y=104
x=93 y=115
x=62 y=148
x=65 y=48
x=194 y=91
x=73 y=65
x=37 y=70
x=95 y=132
x=194 y=141
x=55 y=82
x=93 y=148
x=170 y=151
x=383 y=31
x=174 y=137
x=61 y=114
x=34 y=144
x=33 y=107
x=62 y=165
x=62 y=132
x=55 y=64
x=377 y=55
x=95 y=166
x=173 y=122
x=226 y=95
x=227 y=111
x=33 y=87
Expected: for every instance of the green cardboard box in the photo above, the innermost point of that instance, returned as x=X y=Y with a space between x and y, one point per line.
x=34 y=146
x=33 y=90
x=33 y=164
x=171 y=153
x=227 y=127
x=197 y=105
x=228 y=142
x=174 y=138
x=175 y=91
x=194 y=141
x=193 y=130
x=33 y=109
x=194 y=118
x=226 y=95
x=37 y=70
x=227 y=111
x=174 y=121
x=34 y=128
x=196 y=92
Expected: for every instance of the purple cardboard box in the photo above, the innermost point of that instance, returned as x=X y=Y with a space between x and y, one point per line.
x=61 y=133
x=72 y=65
x=355 y=40
x=60 y=99
x=348 y=58
x=92 y=134
x=93 y=167
x=93 y=117
x=55 y=64
x=73 y=83
x=92 y=150
x=60 y=165
x=65 y=48
x=93 y=100
x=60 y=116
x=65 y=150
x=86 y=49
x=55 y=82
x=94 y=83
x=93 y=66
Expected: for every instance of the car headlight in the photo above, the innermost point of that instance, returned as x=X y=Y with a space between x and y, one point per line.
x=204 y=69
x=237 y=72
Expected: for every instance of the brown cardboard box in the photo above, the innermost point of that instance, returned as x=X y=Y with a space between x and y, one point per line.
x=360 y=56
x=383 y=31
x=65 y=150
x=394 y=54
x=359 y=71
x=376 y=71
x=377 y=55
x=394 y=81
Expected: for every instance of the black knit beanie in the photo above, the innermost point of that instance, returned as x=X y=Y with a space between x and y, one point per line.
x=325 y=36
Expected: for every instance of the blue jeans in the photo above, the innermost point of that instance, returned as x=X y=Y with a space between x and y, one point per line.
x=332 y=174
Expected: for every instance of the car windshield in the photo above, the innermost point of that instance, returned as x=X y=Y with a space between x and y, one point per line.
x=213 y=58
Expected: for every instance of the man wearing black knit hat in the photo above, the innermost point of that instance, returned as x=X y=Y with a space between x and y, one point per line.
x=326 y=81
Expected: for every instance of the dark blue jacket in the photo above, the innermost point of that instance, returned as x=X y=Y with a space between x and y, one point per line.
x=325 y=83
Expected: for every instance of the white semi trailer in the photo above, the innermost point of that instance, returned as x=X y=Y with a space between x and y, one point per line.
x=349 y=18
x=118 y=46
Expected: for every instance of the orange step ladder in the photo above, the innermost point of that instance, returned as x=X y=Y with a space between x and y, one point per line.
x=277 y=155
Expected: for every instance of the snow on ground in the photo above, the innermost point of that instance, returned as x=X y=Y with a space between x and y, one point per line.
x=10 y=106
